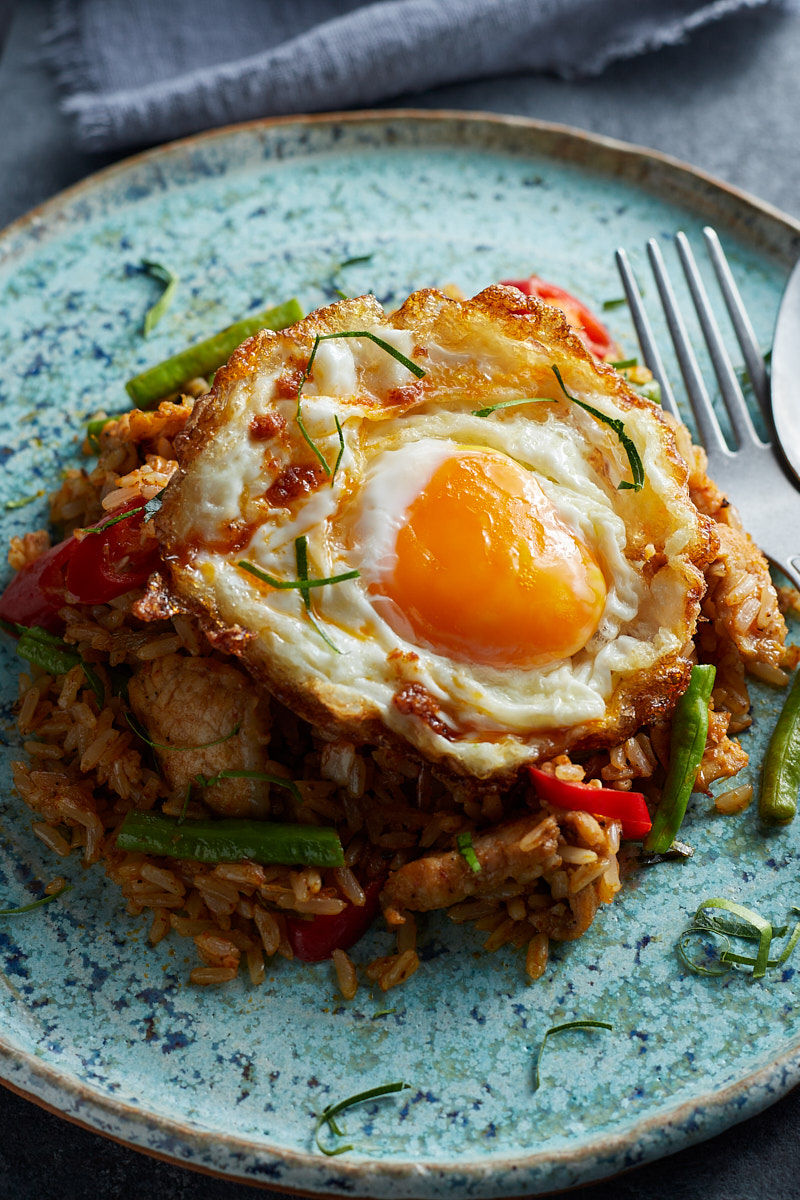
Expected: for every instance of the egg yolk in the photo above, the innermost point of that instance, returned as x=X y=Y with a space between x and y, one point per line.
x=487 y=571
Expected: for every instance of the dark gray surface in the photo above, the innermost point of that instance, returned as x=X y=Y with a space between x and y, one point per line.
x=728 y=102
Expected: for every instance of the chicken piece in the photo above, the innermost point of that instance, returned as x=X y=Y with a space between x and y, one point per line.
x=439 y=880
x=186 y=702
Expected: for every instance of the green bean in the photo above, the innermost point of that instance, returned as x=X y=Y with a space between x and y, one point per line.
x=205 y=357
x=231 y=840
x=780 y=781
x=689 y=733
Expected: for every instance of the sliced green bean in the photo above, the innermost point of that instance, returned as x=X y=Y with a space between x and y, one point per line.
x=205 y=357
x=780 y=781
x=231 y=841
x=689 y=733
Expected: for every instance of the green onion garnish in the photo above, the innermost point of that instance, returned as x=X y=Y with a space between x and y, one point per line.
x=205 y=781
x=298 y=584
x=617 y=302
x=40 y=903
x=301 y=559
x=170 y=281
x=466 y=849
x=562 y=1029
x=637 y=468
x=341 y=447
x=485 y=412
x=21 y=503
x=383 y=1012
x=330 y=337
x=328 y=1114
x=624 y=363
x=153 y=505
x=131 y=512
x=142 y=733
x=342 y=295
x=742 y=923
x=351 y=262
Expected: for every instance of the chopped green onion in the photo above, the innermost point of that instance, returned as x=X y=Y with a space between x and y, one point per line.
x=24 y=500
x=170 y=281
x=484 y=412
x=562 y=1029
x=93 y=679
x=624 y=364
x=617 y=302
x=209 y=780
x=636 y=465
x=40 y=903
x=131 y=512
x=717 y=966
x=327 y=1115
x=342 y=295
x=762 y=927
x=341 y=447
x=186 y=800
x=677 y=851
x=231 y=840
x=351 y=262
x=298 y=584
x=142 y=733
x=205 y=357
x=301 y=558
x=466 y=850
x=383 y=1012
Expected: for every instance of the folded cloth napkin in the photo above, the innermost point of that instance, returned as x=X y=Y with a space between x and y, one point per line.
x=142 y=71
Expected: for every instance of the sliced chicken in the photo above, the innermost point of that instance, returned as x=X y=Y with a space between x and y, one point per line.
x=188 y=702
x=512 y=856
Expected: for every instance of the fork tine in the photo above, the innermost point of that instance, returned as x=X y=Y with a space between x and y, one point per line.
x=644 y=333
x=707 y=423
x=751 y=351
x=723 y=368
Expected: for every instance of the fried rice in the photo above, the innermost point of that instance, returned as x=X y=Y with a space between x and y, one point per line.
x=86 y=768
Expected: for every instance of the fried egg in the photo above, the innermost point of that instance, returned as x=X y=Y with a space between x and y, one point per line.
x=424 y=528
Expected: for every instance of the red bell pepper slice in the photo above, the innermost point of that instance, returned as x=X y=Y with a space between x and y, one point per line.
x=628 y=807
x=588 y=327
x=314 y=940
x=37 y=592
x=94 y=570
x=114 y=560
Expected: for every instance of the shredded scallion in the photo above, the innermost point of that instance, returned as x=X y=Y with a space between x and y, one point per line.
x=157 y=310
x=563 y=1029
x=40 y=903
x=142 y=733
x=297 y=584
x=205 y=781
x=328 y=1115
x=467 y=851
x=636 y=465
x=23 y=500
x=485 y=412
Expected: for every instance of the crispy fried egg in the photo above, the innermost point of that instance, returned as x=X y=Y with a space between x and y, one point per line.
x=498 y=590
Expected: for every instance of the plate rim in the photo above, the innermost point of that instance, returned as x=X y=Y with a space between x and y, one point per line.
x=642 y=1140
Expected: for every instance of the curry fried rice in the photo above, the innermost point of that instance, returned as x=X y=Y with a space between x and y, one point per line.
x=87 y=766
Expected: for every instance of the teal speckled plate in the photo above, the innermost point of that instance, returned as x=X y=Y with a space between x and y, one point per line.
x=105 y=1030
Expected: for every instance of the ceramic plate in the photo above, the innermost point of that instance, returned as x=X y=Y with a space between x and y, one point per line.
x=106 y=1030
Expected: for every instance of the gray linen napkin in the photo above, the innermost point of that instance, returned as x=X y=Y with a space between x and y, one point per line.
x=142 y=71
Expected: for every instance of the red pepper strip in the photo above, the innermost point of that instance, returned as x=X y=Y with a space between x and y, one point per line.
x=628 y=807
x=113 y=561
x=589 y=329
x=314 y=940
x=36 y=593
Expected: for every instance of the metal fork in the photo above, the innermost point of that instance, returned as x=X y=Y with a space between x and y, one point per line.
x=752 y=474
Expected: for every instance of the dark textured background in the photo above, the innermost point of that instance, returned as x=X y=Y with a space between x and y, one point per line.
x=729 y=102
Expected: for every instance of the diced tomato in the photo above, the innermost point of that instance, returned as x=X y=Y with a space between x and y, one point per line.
x=628 y=807
x=119 y=558
x=589 y=328
x=36 y=593
x=314 y=940
x=94 y=570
